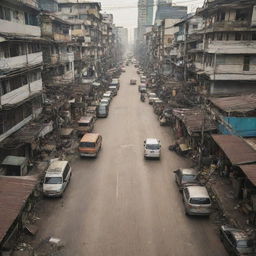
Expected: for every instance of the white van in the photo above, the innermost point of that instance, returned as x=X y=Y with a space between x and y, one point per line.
x=56 y=178
x=152 y=148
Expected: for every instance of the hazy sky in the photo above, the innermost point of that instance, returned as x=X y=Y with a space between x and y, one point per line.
x=125 y=11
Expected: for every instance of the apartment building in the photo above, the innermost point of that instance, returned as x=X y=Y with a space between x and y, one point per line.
x=229 y=46
x=58 y=52
x=20 y=65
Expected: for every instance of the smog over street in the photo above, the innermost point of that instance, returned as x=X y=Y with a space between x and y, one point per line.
x=127 y=128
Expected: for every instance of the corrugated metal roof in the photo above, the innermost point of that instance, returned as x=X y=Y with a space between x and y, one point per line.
x=14 y=193
x=242 y=103
x=194 y=120
x=236 y=149
x=250 y=171
x=14 y=160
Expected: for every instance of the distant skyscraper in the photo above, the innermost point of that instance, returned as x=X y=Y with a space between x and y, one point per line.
x=145 y=16
x=165 y=10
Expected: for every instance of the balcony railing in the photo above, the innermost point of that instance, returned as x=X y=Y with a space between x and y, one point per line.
x=21 y=61
x=11 y=27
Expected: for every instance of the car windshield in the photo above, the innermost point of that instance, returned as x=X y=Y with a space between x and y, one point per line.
x=53 y=180
x=83 y=124
x=244 y=243
x=188 y=177
x=102 y=107
x=87 y=144
x=152 y=146
x=200 y=200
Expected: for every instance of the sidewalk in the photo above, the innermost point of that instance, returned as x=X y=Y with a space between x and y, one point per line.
x=229 y=205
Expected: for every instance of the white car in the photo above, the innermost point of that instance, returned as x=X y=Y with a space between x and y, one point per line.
x=105 y=101
x=151 y=100
x=196 y=200
x=107 y=94
x=151 y=94
x=152 y=148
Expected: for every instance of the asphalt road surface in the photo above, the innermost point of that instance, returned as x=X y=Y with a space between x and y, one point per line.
x=122 y=205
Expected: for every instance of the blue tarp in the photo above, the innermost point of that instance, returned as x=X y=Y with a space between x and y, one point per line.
x=240 y=126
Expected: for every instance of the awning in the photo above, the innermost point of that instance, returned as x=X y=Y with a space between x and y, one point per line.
x=27 y=135
x=14 y=192
x=242 y=103
x=236 y=149
x=195 y=120
x=250 y=172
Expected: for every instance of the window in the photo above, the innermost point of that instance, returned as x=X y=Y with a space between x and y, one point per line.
x=238 y=36
x=26 y=18
x=246 y=66
x=219 y=36
x=246 y=36
x=4 y=87
x=5 y=13
x=195 y=26
x=200 y=200
x=241 y=15
x=253 y=35
x=14 y=50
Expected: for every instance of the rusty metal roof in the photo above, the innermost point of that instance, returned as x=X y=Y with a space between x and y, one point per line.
x=14 y=193
x=194 y=120
x=242 y=103
x=250 y=171
x=235 y=148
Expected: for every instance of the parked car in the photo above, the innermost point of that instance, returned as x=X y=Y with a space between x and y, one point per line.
x=91 y=111
x=56 y=178
x=196 y=200
x=237 y=241
x=85 y=124
x=152 y=148
x=115 y=82
x=123 y=69
x=102 y=110
x=113 y=89
x=151 y=100
x=105 y=101
x=151 y=94
x=90 y=145
x=158 y=106
x=143 y=79
x=108 y=95
x=184 y=177
x=142 y=88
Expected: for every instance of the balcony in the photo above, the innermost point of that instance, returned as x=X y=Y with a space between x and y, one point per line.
x=228 y=25
x=19 y=28
x=66 y=78
x=231 y=72
x=21 y=61
x=66 y=57
x=199 y=47
x=32 y=3
x=180 y=37
x=21 y=93
x=231 y=47
x=62 y=37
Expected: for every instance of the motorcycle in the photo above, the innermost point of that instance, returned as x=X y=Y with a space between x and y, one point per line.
x=142 y=97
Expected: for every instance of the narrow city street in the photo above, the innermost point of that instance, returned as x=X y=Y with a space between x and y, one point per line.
x=122 y=205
